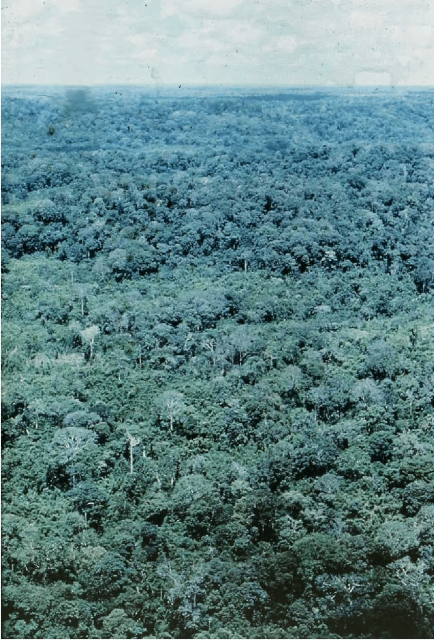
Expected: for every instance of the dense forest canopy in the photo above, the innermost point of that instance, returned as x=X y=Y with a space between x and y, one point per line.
x=218 y=364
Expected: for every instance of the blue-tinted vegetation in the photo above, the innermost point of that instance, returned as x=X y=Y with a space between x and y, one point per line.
x=218 y=364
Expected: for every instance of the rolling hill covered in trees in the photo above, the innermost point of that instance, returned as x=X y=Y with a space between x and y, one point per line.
x=218 y=378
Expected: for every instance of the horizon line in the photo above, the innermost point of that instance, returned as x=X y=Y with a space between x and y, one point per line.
x=222 y=85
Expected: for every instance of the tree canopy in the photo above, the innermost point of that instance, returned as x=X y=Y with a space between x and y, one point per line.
x=218 y=365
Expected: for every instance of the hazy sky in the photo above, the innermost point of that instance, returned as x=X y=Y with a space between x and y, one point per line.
x=253 y=42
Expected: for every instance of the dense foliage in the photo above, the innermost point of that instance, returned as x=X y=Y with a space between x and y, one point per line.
x=218 y=365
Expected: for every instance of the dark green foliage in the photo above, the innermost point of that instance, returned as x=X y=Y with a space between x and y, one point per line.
x=218 y=367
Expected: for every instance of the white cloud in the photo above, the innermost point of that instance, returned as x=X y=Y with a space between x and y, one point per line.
x=147 y=55
x=236 y=41
x=372 y=78
x=362 y=19
x=67 y=6
x=288 y=44
x=240 y=33
x=218 y=8
x=199 y=43
x=24 y=10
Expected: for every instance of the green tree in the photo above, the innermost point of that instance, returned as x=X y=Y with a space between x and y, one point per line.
x=69 y=445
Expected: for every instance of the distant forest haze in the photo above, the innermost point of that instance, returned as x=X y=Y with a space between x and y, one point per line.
x=218 y=364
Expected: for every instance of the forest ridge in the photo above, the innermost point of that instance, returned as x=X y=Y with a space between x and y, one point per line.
x=218 y=364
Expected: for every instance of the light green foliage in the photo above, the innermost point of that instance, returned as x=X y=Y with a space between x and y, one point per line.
x=118 y=625
x=68 y=443
x=170 y=408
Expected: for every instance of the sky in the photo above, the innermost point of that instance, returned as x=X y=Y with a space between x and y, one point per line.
x=218 y=42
